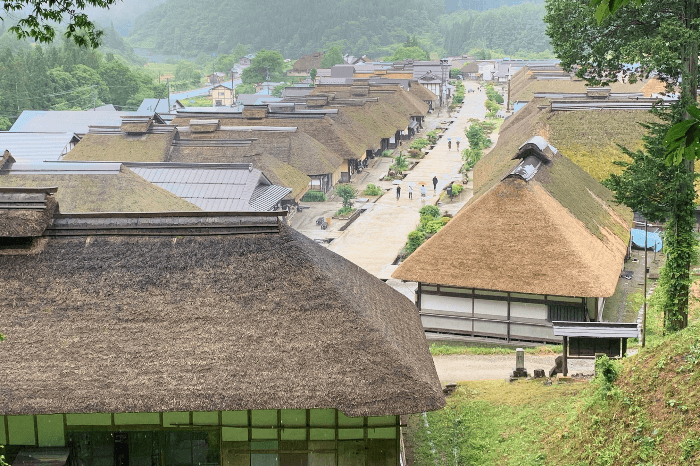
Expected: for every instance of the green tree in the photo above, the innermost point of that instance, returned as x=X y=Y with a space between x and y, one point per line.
x=120 y=80
x=267 y=65
x=224 y=63
x=332 y=57
x=400 y=164
x=245 y=89
x=39 y=18
x=346 y=192
x=658 y=35
x=409 y=53
x=186 y=71
x=312 y=74
x=240 y=51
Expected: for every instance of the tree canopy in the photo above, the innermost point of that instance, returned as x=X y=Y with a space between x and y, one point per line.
x=332 y=57
x=267 y=65
x=39 y=18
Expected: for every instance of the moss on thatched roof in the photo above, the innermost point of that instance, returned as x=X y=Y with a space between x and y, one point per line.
x=204 y=323
x=560 y=233
x=125 y=192
x=122 y=148
x=589 y=138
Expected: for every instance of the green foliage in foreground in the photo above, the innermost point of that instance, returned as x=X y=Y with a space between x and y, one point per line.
x=643 y=410
x=346 y=192
x=314 y=196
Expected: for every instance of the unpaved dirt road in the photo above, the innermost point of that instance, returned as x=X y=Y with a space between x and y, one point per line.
x=457 y=367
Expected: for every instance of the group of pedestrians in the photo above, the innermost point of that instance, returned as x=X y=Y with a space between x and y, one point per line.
x=423 y=192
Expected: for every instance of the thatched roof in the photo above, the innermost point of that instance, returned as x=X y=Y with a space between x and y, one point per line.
x=471 y=67
x=547 y=227
x=121 y=147
x=307 y=62
x=122 y=192
x=524 y=84
x=105 y=320
x=26 y=212
x=322 y=128
x=421 y=92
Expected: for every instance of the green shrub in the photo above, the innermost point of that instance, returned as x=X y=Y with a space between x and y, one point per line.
x=470 y=157
x=373 y=190
x=314 y=196
x=343 y=211
x=386 y=153
x=432 y=136
x=346 y=192
x=431 y=225
x=430 y=211
x=415 y=239
x=419 y=143
x=456 y=189
x=415 y=153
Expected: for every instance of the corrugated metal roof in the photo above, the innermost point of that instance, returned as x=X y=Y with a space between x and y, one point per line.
x=215 y=187
x=64 y=168
x=267 y=197
x=154 y=105
x=67 y=121
x=36 y=147
x=596 y=329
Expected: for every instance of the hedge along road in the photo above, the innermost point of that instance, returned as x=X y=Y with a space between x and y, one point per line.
x=375 y=239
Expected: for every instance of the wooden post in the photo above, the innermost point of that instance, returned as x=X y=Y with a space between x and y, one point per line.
x=644 y=313
x=565 y=365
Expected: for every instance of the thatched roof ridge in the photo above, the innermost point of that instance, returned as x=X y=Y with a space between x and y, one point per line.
x=125 y=192
x=26 y=212
x=204 y=323
x=307 y=62
x=557 y=232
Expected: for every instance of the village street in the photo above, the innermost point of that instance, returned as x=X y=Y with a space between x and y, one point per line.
x=376 y=238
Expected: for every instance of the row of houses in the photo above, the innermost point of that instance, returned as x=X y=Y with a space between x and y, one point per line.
x=310 y=141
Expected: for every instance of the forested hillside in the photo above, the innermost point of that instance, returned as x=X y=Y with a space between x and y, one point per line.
x=510 y=29
x=295 y=27
x=65 y=77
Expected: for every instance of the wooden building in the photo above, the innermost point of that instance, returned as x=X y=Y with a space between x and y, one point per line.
x=195 y=338
x=542 y=241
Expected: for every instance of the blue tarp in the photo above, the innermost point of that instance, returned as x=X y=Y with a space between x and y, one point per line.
x=653 y=240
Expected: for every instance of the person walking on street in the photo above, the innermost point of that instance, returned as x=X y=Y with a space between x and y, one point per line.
x=449 y=145
x=410 y=192
x=435 y=180
x=457 y=144
x=422 y=190
x=398 y=192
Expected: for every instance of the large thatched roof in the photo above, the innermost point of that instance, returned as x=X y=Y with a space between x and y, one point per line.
x=547 y=227
x=199 y=312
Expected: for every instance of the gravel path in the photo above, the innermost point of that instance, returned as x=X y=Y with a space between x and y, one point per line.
x=457 y=367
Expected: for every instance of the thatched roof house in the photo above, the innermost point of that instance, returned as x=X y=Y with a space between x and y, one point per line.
x=307 y=62
x=231 y=326
x=543 y=231
x=130 y=142
x=93 y=187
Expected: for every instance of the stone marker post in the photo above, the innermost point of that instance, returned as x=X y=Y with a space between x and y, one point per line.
x=520 y=370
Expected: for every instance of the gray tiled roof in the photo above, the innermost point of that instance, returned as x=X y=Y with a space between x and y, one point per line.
x=36 y=147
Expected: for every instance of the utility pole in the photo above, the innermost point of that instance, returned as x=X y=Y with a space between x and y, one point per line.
x=232 y=99
x=444 y=67
x=168 y=80
x=508 y=101
x=644 y=313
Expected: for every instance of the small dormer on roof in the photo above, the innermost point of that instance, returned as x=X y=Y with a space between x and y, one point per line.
x=254 y=112
x=24 y=215
x=533 y=154
x=136 y=124
x=204 y=126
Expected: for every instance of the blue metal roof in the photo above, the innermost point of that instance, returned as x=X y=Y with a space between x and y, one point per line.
x=36 y=147
x=63 y=121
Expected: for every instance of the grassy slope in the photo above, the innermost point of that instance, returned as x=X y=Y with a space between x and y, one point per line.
x=651 y=415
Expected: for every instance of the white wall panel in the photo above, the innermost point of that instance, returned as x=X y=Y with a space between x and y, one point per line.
x=445 y=303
